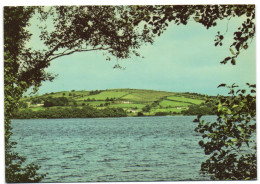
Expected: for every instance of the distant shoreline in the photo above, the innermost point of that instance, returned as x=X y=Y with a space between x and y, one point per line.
x=114 y=117
x=112 y=103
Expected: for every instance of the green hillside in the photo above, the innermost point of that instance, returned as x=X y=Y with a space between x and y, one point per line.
x=132 y=101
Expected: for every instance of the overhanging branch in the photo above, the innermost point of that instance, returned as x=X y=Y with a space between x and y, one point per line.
x=73 y=51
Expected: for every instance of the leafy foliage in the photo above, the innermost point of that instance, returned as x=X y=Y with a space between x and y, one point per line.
x=60 y=101
x=58 y=112
x=207 y=108
x=231 y=140
x=15 y=35
x=207 y=15
x=147 y=108
x=95 y=92
x=76 y=29
x=120 y=31
x=162 y=113
x=23 y=104
x=17 y=173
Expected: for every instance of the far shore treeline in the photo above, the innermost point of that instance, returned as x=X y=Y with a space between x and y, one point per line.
x=74 y=112
x=114 y=103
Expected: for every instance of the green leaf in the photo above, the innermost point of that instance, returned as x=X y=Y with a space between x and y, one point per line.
x=232 y=52
x=234 y=106
x=222 y=85
x=233 y=61
x=234 y=139
x=240 y=129
x=197 y=19
x=229 y=111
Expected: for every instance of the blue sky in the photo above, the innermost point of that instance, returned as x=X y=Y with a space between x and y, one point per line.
x=183 y=59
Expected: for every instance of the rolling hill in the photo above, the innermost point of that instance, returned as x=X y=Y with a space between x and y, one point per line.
x=133 y=101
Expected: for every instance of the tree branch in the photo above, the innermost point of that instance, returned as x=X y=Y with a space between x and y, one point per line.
x=76 y=50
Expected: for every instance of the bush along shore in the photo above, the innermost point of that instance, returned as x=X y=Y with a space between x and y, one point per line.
x=91 y=112
x=74 y=112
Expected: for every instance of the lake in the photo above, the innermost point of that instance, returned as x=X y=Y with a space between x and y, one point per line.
x=112 y=149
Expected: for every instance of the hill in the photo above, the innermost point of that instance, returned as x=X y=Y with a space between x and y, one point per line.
x=132 y=101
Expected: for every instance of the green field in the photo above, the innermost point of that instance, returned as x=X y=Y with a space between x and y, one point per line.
x=131 y=100
x=139 y=106
x=168 y=103
x=185 y=99
x=153 y=111
x=146 y=96
x=105 y=94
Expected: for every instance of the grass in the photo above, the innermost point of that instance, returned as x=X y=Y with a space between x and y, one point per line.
x=146 y=96
x=139 y=106
x=185 y=99
x=169 y=101
x=104 y=95
x=153 y=111
x=43 y=108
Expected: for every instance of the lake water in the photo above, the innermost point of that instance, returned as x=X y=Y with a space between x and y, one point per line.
x=112 y=149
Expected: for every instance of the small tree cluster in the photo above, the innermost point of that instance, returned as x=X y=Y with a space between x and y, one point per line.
x=60 y=101
x=146 y=108
x=110 y=99
x=207 y=108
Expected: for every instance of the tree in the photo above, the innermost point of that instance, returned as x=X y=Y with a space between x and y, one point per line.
x=140 y=114
x=146 y=108
x=36 y=100
x=81 y=29
x=225 y=161
x=207 y=108
x=88 y=28
x=15 y=35
x=207 y=15
x=230 y=141
x=51 y=101
x=77 y=29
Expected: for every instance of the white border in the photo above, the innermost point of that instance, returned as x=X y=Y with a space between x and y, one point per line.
x=109 y=2
x=120 y=2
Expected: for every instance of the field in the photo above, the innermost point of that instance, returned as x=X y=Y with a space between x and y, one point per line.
x=131 y=100
x=185 y=99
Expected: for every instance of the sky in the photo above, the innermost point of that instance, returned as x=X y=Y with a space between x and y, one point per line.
x=183 y=59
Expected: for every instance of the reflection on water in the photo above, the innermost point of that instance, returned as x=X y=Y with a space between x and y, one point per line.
x=112 y=149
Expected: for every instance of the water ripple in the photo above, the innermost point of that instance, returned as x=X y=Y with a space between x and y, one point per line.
x=112 y=149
